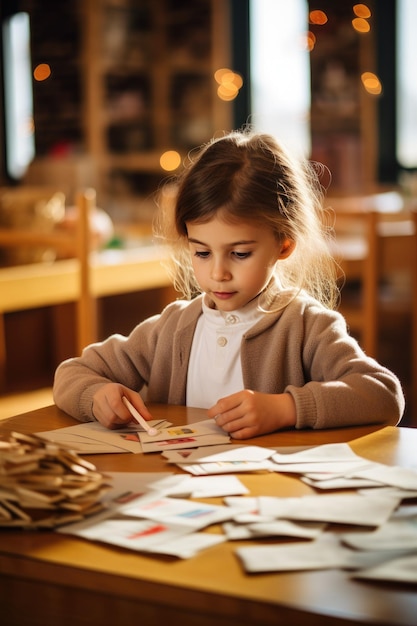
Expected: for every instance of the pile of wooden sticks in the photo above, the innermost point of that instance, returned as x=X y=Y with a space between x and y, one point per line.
x=44 y=485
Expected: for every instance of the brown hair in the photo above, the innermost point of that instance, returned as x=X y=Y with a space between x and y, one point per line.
x=249 y=177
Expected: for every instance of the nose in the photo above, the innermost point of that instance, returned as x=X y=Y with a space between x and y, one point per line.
x=219 y=271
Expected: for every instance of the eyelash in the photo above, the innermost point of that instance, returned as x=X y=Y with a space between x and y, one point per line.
x=239 y=255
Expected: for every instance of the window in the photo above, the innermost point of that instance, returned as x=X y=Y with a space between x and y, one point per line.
x=280 y=71
x=406 y=83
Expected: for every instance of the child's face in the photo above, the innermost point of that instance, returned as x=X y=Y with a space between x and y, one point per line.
x=233 y=263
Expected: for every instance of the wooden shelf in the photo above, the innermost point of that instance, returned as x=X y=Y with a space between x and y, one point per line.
x=150 y=87
x=343 y=113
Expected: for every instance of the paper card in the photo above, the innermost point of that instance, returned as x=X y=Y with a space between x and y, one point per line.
x=394 y=476
x=189 y=545
x=286 y=528
x=404 y=511
x=403 y=494
x=126 y=486
x=183 y=443
x=206 y=427
x=236 y=532
x=173 y=511
x=275 y=528
x=220 y=453
x=329 y=452
x=225 y=467
x=207 y=487
x=322 y=553
x=339 y=483
x=247 y=510
x=127 y=438
x=133 y=534
x=81 y=444
x=333 y=508
x=94 y=438
x=322 y=470
x=248 y=504
x=403 y=569
x=395 y=534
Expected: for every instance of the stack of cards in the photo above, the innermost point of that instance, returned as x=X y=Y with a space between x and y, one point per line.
x=205 y=433
x=222 y=459
x=43 y=485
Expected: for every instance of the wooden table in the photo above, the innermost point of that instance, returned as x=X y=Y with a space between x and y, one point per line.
x=112 y=272
x=48 y=578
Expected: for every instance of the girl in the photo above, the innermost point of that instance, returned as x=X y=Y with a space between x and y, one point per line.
x=256 y=340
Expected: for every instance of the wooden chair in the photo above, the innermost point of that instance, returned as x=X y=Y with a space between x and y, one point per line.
x=376 y=248
x=75 y=243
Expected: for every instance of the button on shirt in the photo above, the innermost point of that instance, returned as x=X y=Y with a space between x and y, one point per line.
x=215 y=368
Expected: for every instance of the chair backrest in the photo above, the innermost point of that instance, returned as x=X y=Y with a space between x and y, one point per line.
x=74 y=243
x=377 y=244
x=356 y=248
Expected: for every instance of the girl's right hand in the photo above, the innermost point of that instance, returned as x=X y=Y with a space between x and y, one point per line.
x=110 y=410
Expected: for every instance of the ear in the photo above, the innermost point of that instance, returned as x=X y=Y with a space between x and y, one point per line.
x=287 y=248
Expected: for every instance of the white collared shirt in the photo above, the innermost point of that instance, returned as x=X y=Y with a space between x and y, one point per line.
x=215 y=368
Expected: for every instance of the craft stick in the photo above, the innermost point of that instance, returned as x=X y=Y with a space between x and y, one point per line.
x=138 y=417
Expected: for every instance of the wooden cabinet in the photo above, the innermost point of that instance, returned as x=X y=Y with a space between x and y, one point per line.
x=343 y=105
x=149 y=88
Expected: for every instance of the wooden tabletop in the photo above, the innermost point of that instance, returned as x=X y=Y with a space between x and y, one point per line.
x=71 y=581
x=112 y=272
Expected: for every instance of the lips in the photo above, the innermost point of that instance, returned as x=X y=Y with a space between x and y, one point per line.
x=223 y=295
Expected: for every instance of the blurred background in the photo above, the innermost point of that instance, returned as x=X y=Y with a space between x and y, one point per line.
x=113 y=94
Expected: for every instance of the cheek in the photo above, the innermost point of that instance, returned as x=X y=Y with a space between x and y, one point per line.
x=198 y=267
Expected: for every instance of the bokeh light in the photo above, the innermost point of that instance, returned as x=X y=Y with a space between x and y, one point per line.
x=361 y=10
x=229 y=83
x=310 y=41
x=170 y=160
x=371 y=83
x=361 y=25
x=41 y=72
x=317 y=17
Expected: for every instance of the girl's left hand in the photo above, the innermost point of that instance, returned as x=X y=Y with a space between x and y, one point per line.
x=247 y=413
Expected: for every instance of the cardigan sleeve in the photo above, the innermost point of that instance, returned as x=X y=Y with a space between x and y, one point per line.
x=146 y=357
x=344 y=386
x=117 y=359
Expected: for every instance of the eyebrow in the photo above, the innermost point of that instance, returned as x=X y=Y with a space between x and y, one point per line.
x=232 y=244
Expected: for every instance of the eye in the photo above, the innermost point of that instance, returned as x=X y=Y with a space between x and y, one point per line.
x=202 y=254
x=242 y=255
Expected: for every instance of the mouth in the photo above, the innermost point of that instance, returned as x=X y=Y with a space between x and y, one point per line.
x=223 y=295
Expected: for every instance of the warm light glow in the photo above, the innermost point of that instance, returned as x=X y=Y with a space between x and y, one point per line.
x=229 y=83
x=361 y=25
x=170 y=160
x=30 y=126
x=220 y=73
x=310 y=41
x=41 y=72
x=371 y=83
x=232 y=78
x=227 y=92
x=361 y=10
x=317 y=17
